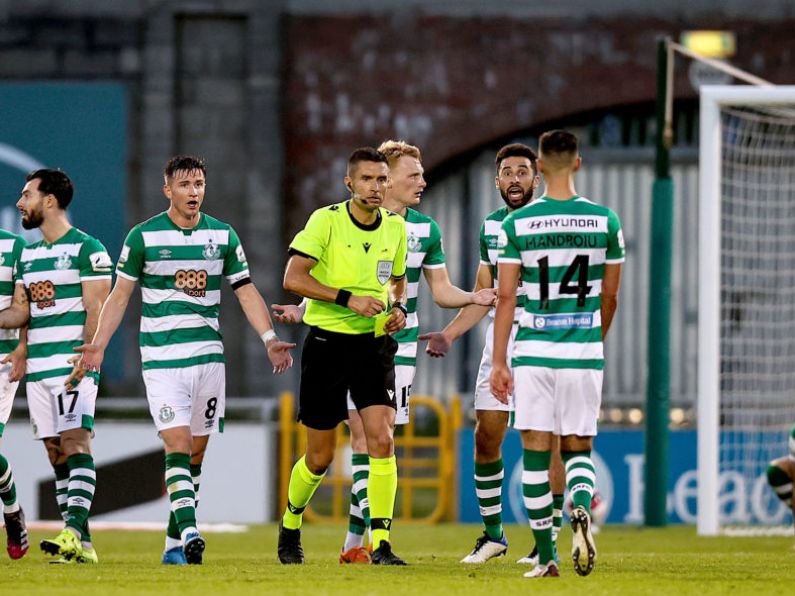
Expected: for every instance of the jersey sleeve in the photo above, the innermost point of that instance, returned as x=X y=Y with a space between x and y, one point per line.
x=131 y=259
x=507 y=246
x=16 y=255
x=484 y=246
x=313 y=239
x=235 y=263
x=399 y=264
x=615 y=240
x=434 y=256
x=94 y=261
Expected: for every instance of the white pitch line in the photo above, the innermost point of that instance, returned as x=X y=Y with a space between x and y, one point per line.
x=216 y=528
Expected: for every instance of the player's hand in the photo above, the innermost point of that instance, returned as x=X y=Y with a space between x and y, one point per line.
x=396 y=322
x=279 y=355
x=501 y=382
x=366 y=306
x=438 y=344
x=289 y=314
x=89 y=359
x=17 y=359
x=485 y=297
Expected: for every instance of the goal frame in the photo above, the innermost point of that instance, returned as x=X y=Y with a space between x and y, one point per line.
x=713 y=97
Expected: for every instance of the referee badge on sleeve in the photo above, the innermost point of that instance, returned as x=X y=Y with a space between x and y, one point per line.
x=384 y=271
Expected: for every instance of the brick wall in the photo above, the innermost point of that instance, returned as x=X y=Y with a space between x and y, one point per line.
x=450 y=85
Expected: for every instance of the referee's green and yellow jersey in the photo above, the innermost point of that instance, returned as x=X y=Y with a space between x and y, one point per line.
x=351 y=256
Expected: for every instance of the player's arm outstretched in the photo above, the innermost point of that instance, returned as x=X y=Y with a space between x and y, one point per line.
x=95 y=292
x=439 y=342
x=501 y=381
x=108 y=321
x=446 y=295
x=253 y=304
x=289 y=314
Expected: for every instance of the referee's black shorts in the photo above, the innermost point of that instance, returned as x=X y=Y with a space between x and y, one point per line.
x=333 y=364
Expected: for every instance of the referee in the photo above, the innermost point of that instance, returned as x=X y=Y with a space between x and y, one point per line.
x=349 y=261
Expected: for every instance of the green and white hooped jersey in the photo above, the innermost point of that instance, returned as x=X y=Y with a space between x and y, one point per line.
x=562 y=247
x=489 y=235
x=180 y=273
x=53 y=276
x=11 y=247
x=425 y=251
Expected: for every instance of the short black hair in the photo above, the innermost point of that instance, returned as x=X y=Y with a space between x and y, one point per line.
x=365 y=154
x=558 y=142
x=184 y=163
x=54 y=182
x=516 y=150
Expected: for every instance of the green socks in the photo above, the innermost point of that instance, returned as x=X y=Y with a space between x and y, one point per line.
x=488 y=487
x=80 y=493
x=538 y=501
x=580 y=477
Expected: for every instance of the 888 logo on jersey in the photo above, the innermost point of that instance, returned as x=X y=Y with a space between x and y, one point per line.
x=192 y=282
x=42 y=293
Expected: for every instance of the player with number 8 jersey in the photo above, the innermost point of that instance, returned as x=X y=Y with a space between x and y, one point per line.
x=180 y=257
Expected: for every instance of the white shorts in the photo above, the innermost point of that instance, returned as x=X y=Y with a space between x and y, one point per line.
x=7 y=392
x=564 y=401
x=193 y=396
x=55 y=408
x=484 y=399
x=404 y=377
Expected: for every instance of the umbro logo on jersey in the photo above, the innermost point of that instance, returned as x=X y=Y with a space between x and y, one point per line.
x=164 y=253
x=366 y=246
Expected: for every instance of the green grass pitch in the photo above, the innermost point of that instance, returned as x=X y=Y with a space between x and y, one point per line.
x=631 y=561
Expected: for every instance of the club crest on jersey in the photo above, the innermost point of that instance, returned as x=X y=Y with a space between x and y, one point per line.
x=166 y=414
x=413 y=243
x=63 y=262
x=383 y=271
x=211 y=250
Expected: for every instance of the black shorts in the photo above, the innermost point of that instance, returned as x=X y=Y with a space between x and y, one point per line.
x=333 y=364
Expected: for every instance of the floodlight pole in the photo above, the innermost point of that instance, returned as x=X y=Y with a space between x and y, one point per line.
x=659 y=331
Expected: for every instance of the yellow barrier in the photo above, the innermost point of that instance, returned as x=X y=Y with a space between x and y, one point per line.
x=426 y=464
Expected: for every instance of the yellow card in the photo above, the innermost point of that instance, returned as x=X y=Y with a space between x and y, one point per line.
x=380 y=323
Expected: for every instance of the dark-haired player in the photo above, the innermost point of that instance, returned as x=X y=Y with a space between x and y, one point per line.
x=180 y=257
x=62 y=282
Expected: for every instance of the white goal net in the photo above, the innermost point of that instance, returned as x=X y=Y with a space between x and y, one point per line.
x=746 y=302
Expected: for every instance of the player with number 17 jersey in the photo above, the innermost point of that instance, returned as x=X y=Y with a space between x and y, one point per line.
x=52 y=275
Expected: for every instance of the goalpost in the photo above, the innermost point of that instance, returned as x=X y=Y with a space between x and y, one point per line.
x=746 y=313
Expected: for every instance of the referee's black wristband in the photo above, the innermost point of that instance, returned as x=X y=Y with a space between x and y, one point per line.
x=402 y=307
x=342 y=297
